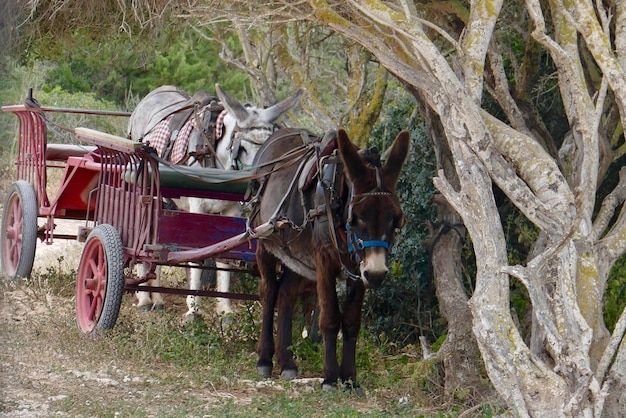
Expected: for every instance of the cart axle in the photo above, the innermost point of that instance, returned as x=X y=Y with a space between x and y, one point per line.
x=210 y=293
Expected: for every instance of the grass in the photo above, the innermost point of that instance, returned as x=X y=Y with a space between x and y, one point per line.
x=203 y=368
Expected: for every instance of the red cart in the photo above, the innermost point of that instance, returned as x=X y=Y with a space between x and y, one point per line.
x=118 y=187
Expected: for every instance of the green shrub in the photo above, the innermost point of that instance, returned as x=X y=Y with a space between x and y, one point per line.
x=404 y=307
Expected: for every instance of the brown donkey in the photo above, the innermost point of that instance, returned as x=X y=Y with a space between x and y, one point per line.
x=341 y=216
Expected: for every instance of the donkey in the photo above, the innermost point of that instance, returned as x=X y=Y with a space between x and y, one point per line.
x=342 y=219
x=243 y=131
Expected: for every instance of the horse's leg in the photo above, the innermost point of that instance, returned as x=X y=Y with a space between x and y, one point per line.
x=268 y=293
x=288 y=292
x=330 y=317
x=223 y=285
x=351 y=325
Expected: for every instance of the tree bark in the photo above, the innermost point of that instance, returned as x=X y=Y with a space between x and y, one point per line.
x=463 y=367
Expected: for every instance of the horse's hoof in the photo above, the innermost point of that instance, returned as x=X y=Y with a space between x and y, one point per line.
x=144 y=308
x=289 y=374
x=264 y=371
x=159 y=307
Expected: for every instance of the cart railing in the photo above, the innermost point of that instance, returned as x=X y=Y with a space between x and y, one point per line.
x=131 y=196
x=133 y=208
x=33 y=153
x=30 y=157
x=135 y=205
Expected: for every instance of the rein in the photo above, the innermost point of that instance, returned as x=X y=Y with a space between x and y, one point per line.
x=329 y=183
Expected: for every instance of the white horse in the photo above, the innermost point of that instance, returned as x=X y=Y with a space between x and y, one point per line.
x=244 y=129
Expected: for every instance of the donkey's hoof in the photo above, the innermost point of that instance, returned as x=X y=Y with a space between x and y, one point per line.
x=158 y=307
x=289 y=374
x=228 y=320
x=264 y=371
x=356 y=390
x=329 y=385
x=144 y=308
x=192 y=317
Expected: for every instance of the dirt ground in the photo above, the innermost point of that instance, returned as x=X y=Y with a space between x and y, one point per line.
x=41 y=377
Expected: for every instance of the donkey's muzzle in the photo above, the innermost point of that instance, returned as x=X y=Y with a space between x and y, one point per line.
x=374 y=268
x=373 y=280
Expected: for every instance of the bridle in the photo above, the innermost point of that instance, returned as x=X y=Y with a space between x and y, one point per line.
x=334 y=189
x=356 y=245
x=236 y=137
x=210 y=136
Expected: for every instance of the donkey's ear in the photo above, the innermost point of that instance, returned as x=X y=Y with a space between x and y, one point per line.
x=352 y=163
x=232 y=105
x=274 y=112
x=395 y=160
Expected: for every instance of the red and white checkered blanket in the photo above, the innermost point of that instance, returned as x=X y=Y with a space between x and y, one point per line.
x=160 y=136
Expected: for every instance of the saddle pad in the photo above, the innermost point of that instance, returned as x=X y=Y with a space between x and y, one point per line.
x=160 y=137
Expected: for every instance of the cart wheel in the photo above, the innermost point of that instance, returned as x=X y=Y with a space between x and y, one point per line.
x=100 y=280
x=19 y=230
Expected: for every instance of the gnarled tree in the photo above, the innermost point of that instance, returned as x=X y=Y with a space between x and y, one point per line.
x=454 y=56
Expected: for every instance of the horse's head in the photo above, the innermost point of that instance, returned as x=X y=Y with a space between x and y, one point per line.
x=374 y=215
x=246 y=128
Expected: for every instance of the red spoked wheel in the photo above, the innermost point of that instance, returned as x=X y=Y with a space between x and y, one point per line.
x=19 y=230
x=100 y=281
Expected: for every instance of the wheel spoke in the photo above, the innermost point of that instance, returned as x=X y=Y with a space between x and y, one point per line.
x=19 y=230
x=14 y=233
x=14 y=252
x=99 y=296
x=94 y=307
x=95 y=285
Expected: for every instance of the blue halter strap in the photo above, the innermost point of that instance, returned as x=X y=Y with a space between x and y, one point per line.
x=354 y=242
x=357 y=244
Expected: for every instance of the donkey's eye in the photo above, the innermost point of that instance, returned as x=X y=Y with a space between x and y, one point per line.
x=357 y=221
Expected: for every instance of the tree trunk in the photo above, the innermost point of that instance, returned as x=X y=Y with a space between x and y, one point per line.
x=462 y=363
x=463 y=366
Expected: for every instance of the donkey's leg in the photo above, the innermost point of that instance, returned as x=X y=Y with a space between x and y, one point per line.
x=223 y=285
x=157 y=299
x=351 y=325
x=330 y=317
x=268 y=293
x=288 y=292
x=147 y=301
x=310 y=311
x=195 y=278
